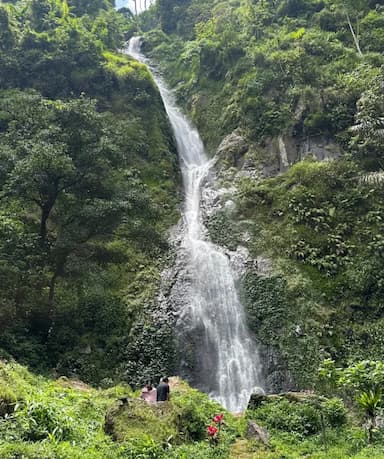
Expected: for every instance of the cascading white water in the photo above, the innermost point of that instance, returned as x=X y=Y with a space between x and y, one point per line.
x=227 y=356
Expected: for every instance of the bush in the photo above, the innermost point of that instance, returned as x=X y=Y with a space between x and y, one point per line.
x=27 y=451
x=192 y=421
x=334 y=411
x=302 y=418
x=194 y=412
x=41 y=420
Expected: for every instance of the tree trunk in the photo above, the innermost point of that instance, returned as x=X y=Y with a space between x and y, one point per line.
x=51 y=294
x=371 y=428
x=45 y=211
x=354 y=35
x=323 y=432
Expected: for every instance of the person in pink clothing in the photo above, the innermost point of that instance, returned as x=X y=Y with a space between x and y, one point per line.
x=148 y=394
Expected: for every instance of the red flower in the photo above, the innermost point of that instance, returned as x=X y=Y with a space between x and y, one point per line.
x=212 y=430
x=218 y=419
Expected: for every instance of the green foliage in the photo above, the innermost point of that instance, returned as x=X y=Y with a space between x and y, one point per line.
x=367 y=375
x=321 y=217
x=65 y=419
x=69 y=419
x=300 y=418
x=368 y=140
x=87 y=190
x=198 y=451
x=283 y=314
x=370 y=401
x=265 y=57
x=364 y=381
x=143 y=448
x=335 y=412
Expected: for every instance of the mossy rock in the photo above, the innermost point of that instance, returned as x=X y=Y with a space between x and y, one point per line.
x=7 y=400
x=137 y=418
x=183 y=419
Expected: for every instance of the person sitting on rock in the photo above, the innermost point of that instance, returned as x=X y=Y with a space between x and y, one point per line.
x=148 y=393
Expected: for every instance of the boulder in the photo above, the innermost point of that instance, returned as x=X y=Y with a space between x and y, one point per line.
x=7 y=406
x=256 y=432
x=232 y=149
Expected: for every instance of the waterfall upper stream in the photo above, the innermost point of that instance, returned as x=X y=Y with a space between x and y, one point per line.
x=226 y=356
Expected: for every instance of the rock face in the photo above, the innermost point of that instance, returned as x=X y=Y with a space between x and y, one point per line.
x=258 y=433
x=277 y=376
x=236 y=158
x=288 y=150
x=232 y=149
x=113 y=411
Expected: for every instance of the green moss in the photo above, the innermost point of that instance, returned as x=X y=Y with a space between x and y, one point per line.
x=182 y=420
x=124 y=67
x=223 y=230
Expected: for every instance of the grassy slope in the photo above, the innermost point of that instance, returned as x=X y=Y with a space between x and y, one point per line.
x=66 y=419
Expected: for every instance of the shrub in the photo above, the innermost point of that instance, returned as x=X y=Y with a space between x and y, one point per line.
x=39 y=421
x=194 y=412
x=27 y=451
x=297 y=417
x=334 y=411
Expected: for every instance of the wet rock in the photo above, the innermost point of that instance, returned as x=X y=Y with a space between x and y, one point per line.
x=264 y=266
x=232 y=149
x=276 y=375
x=257 y=432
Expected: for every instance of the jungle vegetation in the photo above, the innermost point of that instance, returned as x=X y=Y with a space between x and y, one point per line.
x=302 y=79
x=89 y=187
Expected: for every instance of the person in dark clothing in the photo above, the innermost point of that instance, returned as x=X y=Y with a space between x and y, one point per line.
x=163 y=390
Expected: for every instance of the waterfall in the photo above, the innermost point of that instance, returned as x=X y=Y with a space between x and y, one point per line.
x=227 y=357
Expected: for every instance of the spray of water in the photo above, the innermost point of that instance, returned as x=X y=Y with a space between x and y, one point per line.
x=227 y=355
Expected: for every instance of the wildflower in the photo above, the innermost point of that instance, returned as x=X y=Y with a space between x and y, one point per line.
x=218 y=419
x=212 y=430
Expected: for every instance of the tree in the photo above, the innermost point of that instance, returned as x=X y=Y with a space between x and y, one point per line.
x=91 y=7
x=368 y=139
x=353 y=10
x=363 y=381
x=66 y=168
x=170 y=12
x=7 y=30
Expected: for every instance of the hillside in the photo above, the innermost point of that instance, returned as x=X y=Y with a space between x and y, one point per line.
x=288 y=96
x=89 y=186
x=112 y=274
